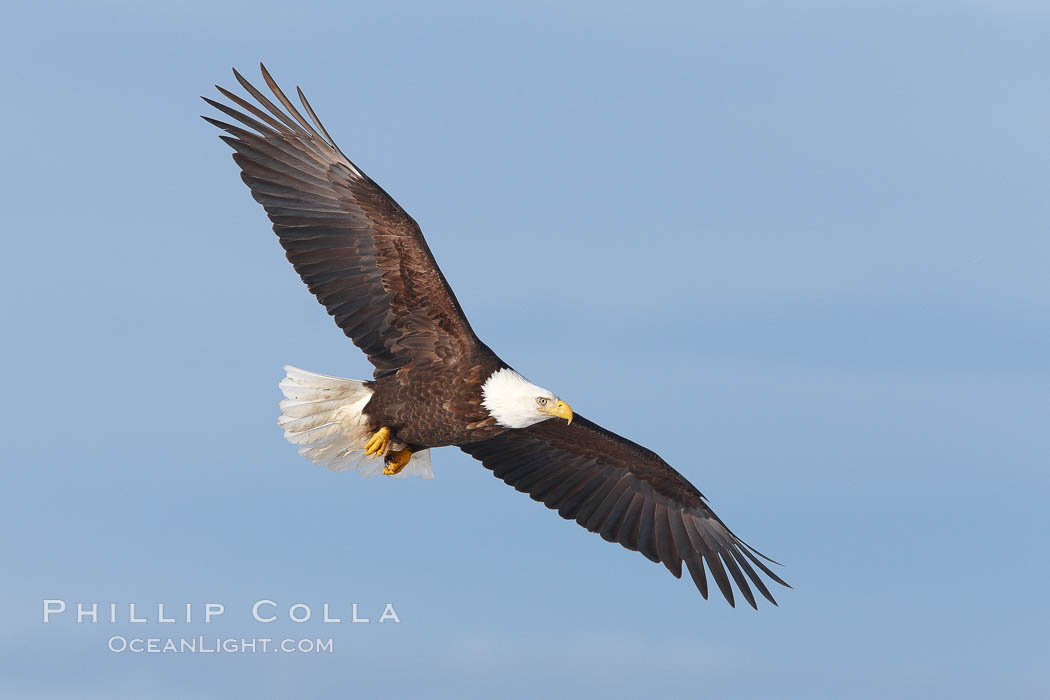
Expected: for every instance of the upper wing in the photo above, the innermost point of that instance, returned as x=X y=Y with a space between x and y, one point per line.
x=629 y=495
x=357 y=250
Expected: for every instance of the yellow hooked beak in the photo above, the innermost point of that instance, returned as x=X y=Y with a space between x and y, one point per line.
x=559 y=410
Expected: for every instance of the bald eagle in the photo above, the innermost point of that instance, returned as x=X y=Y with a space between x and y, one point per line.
x=435 y=383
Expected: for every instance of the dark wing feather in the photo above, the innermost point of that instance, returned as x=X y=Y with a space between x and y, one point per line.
x=356 y=249
x=627 y=494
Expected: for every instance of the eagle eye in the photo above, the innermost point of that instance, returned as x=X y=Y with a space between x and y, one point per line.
x=541 y=400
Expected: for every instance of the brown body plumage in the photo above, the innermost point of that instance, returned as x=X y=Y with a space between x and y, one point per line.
x=428 y=413
x=367 y=262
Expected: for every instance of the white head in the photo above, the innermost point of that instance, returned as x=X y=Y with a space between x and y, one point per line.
x=515 y=402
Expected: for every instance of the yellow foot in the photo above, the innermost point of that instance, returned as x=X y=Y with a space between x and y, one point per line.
x=377 y=445
x=396 y=461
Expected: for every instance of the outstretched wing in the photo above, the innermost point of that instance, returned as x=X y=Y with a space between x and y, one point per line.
x=360 y=254
x=627 y=494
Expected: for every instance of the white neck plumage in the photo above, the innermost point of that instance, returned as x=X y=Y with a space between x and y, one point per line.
x=511 y=399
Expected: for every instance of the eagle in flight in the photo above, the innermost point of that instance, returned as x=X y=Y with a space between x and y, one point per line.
x=435 y=383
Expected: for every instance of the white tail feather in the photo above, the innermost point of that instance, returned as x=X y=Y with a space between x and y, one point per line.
x=323 y=415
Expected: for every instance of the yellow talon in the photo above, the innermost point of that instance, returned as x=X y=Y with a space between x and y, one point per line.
x=376 y=446
x=396 y=461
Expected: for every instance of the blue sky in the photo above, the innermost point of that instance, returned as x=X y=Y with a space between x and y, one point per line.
x=799 y=251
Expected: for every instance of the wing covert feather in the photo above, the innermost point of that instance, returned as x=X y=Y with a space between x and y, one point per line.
x=626 y=494
x=357 y=250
